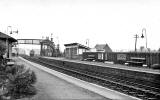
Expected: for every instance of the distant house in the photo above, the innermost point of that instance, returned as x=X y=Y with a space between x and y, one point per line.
x=75 y=50
x=103 y=48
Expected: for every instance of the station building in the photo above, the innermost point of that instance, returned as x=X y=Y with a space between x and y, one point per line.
x=103 y=48
x=9 y=41
x=98 y=53
x=75 y=50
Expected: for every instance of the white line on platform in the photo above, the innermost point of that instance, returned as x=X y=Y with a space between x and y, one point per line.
x=108 y=93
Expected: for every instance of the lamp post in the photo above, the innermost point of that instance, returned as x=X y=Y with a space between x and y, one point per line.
x=51 y=37
x=144 y=30
x=11 y=32
x=142 y=36
x=87 y=42
x=7 y=42
x=8 y=29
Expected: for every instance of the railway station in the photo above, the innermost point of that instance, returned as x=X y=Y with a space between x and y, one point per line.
x=79 y=50
x=124 y=79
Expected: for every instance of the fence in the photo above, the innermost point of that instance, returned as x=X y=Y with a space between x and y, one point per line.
x=122 y=57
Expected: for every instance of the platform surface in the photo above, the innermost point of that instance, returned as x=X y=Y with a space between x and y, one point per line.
x=87 y=91
x=51 y=87
x=138 y=69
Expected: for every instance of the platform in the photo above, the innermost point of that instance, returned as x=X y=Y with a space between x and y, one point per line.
x=138 y=69
x=98 y=90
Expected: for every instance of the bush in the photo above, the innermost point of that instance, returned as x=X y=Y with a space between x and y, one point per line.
x=20 y=82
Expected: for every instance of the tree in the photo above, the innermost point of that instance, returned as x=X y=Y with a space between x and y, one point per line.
x=20 y=82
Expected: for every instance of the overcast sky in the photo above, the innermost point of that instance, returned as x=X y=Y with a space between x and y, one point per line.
x=114 y=22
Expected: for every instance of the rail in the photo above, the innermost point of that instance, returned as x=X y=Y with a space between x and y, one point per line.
x=118 y=83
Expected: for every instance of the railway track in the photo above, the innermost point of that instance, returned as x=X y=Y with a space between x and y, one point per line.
x=118 y=83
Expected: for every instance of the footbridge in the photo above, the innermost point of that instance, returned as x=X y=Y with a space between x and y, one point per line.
x=29 y=41
x=48 y=47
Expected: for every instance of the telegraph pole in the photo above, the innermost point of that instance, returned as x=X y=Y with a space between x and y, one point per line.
x=136 y=36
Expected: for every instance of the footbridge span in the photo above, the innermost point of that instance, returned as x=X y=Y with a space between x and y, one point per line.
x=48 y=47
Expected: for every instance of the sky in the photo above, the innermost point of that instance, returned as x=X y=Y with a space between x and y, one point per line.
x=114 y=22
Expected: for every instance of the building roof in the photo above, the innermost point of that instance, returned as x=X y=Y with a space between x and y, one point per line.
x=100 y=47
x=77 y=44
x=5 y=36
